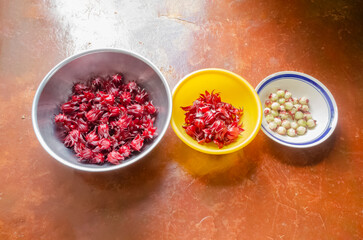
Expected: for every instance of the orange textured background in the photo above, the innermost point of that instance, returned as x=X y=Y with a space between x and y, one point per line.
x=265 y=191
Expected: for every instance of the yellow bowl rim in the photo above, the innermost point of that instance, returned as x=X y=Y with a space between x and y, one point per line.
x=227 y=150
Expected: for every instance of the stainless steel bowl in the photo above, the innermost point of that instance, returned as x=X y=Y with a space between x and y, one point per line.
x=57 y=86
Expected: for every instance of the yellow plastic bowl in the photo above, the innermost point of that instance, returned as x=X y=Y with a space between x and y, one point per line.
x=233 y=89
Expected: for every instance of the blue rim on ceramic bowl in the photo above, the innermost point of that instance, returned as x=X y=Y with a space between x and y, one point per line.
x=324 y=93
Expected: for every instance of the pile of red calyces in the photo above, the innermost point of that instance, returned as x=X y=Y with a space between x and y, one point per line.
x=209 y=119
x=107 y=120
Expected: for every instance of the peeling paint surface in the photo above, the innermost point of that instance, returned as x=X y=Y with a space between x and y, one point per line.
x=265 y=191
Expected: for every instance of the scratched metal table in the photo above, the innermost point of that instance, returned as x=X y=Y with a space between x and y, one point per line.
x=264 y=191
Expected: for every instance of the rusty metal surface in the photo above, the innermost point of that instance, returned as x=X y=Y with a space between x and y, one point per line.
x=265 y=191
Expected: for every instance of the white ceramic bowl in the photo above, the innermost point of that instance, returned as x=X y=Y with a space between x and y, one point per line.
x=322 y=106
